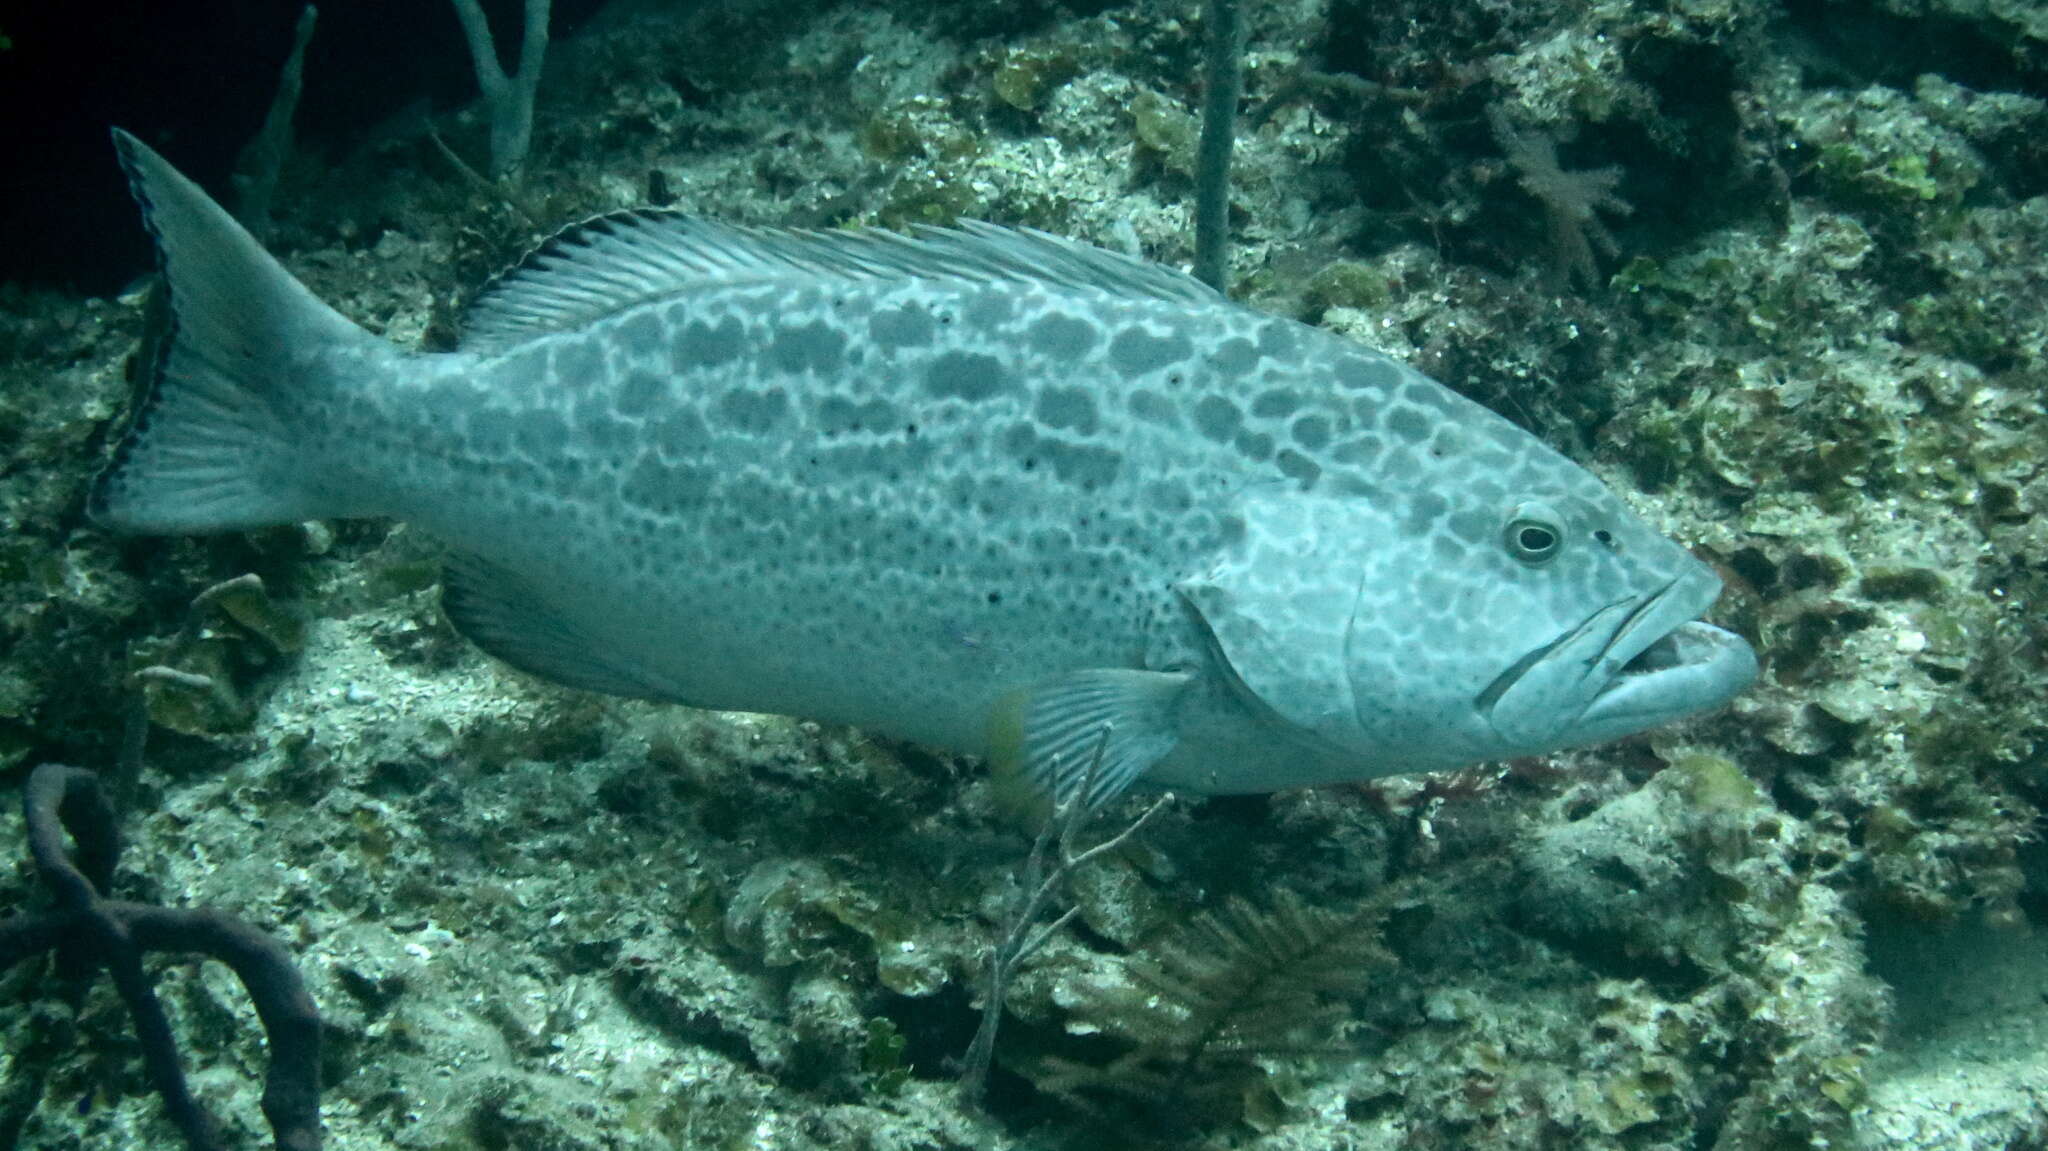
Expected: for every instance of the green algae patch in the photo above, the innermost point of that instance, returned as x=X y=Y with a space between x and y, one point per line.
x=1715 y=785
x=1345 y=284
x=1027 y=76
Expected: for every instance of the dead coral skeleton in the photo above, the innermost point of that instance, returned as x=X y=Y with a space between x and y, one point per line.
x=246 y=603
x=508 y=97
x=1054 y=859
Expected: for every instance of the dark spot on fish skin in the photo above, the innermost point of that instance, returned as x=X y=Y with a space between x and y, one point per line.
x=1276 y=403
x=1408 y=424
x=1217 y=418
x=750 y=411
x=1298 y=467
x=1361 y=371
x=705 y=345
x=1235 y=356
x=640 y=335
x=809 y=347
x=1063 y=337
x=906 y=326
x=665 y=487
x=1135 y=351
x=1257 y=446
x=1154 y=408
x=639 y=393
x=577 y=362
x=969 y=375
x=539 y=434
x=1312 y=432
x=1070 y=408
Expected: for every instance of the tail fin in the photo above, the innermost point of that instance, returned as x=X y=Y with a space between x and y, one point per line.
x=209 y=446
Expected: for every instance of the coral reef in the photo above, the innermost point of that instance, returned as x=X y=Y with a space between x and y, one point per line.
x=534 y=918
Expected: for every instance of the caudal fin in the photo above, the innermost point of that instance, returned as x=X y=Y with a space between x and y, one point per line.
x=211 y=444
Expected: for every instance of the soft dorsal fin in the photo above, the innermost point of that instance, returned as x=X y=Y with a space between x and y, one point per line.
x=613 y=262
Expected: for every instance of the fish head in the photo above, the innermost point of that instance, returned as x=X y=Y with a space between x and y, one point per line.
x=1456 y=611
x=1582 y=625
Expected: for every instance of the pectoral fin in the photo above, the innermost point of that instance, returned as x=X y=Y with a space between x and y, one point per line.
x=1103 y=727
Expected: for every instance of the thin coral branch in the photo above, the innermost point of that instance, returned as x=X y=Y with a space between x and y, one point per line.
x=1572 y=202
x=262 y=158
x=116 y=934
x=1225 y=84
x=1055 y=856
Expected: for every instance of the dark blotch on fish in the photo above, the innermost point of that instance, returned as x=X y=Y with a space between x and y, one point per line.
x=1135 y=351
x=907 y=326
x=968 y=375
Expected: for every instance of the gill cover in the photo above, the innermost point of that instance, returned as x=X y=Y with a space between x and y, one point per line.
x=1279 y=606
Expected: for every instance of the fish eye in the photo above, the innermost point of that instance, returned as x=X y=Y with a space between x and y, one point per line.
x=1532 y=536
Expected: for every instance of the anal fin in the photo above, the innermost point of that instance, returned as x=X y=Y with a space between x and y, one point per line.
x=495 y=609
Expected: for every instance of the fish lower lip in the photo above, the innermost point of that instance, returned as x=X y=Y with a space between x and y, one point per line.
x=1658 y=664
x=1693 y=648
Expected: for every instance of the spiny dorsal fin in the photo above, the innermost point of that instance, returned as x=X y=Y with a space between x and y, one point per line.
x=608 y=264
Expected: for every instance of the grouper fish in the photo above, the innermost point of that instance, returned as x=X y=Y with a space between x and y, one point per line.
x=980 y=488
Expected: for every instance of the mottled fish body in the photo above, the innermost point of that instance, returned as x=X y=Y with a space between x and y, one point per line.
x=984 y=489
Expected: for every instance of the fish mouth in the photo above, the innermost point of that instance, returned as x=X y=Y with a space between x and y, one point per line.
x=1631 y=665
x=1693 y=649
x=1663 y=662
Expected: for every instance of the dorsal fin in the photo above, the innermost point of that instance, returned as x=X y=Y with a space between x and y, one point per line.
x=605 y=265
